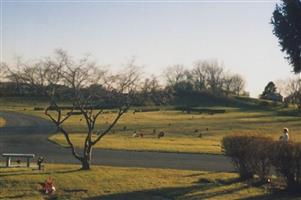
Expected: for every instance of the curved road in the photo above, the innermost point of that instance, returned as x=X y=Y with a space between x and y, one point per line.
x=29 y=134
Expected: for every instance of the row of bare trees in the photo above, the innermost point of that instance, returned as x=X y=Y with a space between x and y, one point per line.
x=38 y=79
x=291 y=90
x=206 y=75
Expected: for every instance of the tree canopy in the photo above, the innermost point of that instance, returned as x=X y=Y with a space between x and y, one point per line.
x=270 y=92
x=286 y=21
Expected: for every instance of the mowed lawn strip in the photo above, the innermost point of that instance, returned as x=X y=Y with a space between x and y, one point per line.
x=165 y=144
x=191 y=133
x=2 y=122
x=123 y=183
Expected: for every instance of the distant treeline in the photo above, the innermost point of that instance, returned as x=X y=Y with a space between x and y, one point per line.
x=53 y=77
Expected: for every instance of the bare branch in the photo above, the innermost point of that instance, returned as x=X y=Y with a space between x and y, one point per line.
x=103 y=133
x=58 y=121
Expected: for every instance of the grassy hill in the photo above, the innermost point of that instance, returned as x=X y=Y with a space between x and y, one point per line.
x=204 y=100
x=198 y=131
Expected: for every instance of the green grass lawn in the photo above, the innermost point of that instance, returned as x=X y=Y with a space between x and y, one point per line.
x=182 y=135
x=124 y=183
x=182 y=130
x=21 y=103
x=166 y=144
x=2 y=122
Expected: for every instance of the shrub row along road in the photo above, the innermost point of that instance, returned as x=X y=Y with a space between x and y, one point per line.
x=29 y=134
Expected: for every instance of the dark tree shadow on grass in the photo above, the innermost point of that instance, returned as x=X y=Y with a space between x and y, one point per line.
x=14 y=197
x=201 y=189
x=35 y=172
x=171 y=193
x=276 y=194
x=194 y=193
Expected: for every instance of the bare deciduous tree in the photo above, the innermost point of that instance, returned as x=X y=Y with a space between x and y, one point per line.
x=282 y=87
x=206 y=75
x=3 y=67
x=199 y=75
x=118 y=93
x=91 y=90
x=150 y=84
x=209 y=75
x=214 y=75
x=40 y=76
x=237 y=84
x=291 y=89
x=13 y=75
x=228 y=84
x=175 y=74
x=153 y=92
x=233 y=84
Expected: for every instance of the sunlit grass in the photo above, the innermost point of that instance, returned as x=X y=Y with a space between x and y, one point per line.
x=182 y=130
x=166 y=144
x=2 y=122
x=123 y=183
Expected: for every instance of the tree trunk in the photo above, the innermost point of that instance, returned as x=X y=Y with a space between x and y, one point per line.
x=86 y=161
x=86 y=164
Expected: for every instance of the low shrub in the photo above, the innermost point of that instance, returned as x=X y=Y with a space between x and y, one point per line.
x=262 y=149
x=250 y=154
x=239 y=149
x=286 y=159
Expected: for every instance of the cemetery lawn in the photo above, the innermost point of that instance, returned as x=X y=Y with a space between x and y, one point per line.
x=190 y=133
x=123 y=183
x=184 y=132
x=2 y=122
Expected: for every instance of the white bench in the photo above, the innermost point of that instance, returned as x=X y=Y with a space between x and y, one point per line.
x=8 y=157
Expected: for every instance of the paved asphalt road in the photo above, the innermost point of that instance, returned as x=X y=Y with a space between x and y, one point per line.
x=28 y=134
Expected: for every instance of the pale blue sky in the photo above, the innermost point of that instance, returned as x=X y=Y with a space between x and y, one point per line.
x=158 y=34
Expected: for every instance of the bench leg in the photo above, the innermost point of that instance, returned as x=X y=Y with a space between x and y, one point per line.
x=28 y=162
x=7 y=161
